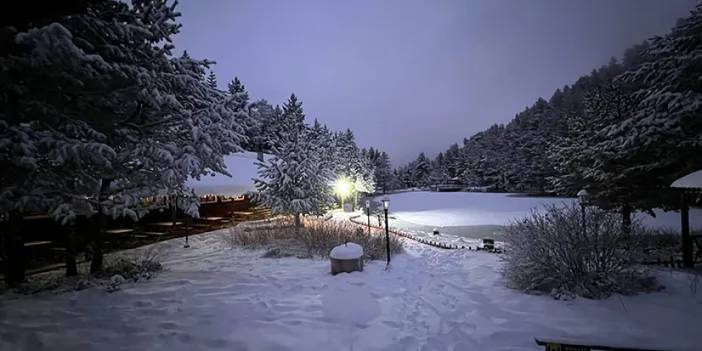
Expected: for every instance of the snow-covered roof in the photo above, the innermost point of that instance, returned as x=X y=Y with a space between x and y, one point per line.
x=242 y=167
x=692 y=180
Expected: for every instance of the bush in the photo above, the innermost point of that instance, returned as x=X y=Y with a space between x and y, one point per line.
x=550 y=252
x=139 y=265
x=315 y=239
x=319 y=237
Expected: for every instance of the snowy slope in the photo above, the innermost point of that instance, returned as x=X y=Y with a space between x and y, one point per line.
x=214 y=297
x=241 y=166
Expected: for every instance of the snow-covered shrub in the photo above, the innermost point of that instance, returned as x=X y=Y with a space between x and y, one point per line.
x=141 y=265
x=320 y=237
x=552 y=252
x=257 y=237
x=658 y=245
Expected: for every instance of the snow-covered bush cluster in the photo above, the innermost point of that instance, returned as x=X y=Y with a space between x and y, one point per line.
x=315 y=239
x=555 y=252
x=119 y=269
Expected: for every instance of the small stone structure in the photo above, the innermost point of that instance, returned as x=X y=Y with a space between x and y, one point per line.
x=346 y=258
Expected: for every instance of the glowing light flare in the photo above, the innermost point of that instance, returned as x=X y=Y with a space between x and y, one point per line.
x=343 y=188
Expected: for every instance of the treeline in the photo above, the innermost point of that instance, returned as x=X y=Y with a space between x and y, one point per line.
x=624 y=132
x=305 y=161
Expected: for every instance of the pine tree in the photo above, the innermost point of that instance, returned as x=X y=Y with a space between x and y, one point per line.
x=212 y=80
x=421 y=171
x=296 y=180
x=661 y=140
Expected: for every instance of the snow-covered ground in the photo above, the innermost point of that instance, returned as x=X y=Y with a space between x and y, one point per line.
x=214 y=297
x=478 y=215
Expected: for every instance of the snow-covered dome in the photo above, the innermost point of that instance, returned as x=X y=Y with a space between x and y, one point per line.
x=348 y=251
x=692 y=180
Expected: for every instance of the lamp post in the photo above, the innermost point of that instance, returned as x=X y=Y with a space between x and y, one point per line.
x=386 y=204
x=368 y=213
x=582 y=198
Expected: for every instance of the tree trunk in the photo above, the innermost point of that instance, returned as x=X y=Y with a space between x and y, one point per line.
x=13 y=246
x=70 y=258
x=298 y=222
x=626 y=219
x=687 y=249
x=96 y=262
x=174 y=210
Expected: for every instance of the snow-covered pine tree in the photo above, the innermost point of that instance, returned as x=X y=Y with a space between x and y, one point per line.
x=212 y=80
x=381 y=166
x=261 y=133
x=108 y=116
x=294 y=181
x=661 y=140
x=421 y=170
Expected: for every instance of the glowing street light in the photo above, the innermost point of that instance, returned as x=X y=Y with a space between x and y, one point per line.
x=342 y=189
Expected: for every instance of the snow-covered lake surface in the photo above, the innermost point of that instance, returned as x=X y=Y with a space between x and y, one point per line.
x=478 y=215
x=213 y=297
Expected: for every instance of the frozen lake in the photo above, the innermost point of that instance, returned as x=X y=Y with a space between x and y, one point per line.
x=477 y=215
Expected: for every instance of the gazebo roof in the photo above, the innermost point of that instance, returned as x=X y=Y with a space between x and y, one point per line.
x=690 y=181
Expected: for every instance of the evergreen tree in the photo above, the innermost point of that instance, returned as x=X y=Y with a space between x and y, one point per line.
x=296 y=180
x=212 y=80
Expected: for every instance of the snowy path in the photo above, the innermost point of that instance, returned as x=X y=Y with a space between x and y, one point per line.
x=214 y=297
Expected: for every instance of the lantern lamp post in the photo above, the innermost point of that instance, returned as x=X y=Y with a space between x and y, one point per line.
x=386 y=204
x=368 y=214
x=583 y=198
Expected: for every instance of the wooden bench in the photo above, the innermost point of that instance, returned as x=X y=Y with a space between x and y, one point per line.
x=571 y=345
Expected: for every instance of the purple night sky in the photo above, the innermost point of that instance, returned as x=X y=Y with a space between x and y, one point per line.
x=412 y=76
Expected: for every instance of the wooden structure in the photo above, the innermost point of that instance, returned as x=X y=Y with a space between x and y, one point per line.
x=346 y=258
x=689 y=186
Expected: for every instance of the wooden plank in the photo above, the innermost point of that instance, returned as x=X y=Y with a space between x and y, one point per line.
x=153 y=233
x=43 y=269
x=164 y=224
x=119 y=231
x=212 y=218
x=37 y=243
x=36 y=217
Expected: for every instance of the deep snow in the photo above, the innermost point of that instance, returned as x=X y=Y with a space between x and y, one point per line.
x=479 y=215
x=214 y=297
